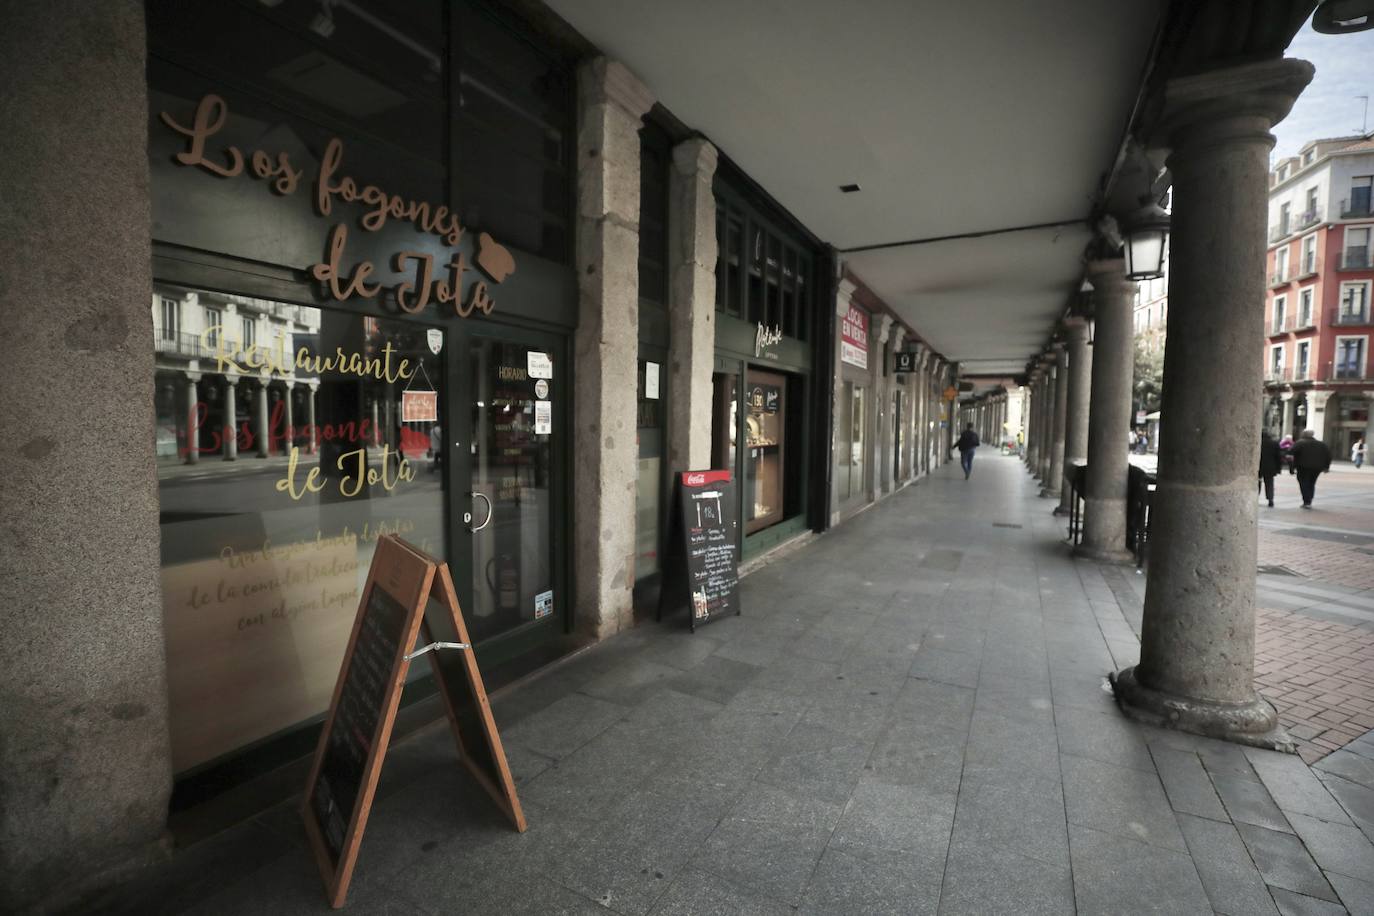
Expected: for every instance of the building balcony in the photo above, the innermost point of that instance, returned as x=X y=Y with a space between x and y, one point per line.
x=1345 y=318
x=1310 y=218
x=1275 y=374
x=1308 y=267
x=1301 y=374
x=1338 y=372
x=1277 y=280
x=1279 y=232
x=179 y=344
x=1281 y=327
x=1355 y=209
x=1356 y=259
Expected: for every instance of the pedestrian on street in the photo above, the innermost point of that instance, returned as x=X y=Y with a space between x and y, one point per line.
x=968 y=441
x=1270 y=463
x=1286 y=450
x=1357 y=452
x=1311 y=458
x=1020 y=443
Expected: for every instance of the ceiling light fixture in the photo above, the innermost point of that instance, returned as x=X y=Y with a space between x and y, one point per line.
x=1341 y=17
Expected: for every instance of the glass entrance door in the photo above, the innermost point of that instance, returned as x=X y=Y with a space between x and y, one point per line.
x=510 y=487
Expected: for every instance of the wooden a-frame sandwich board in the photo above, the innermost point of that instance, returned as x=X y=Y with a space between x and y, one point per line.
x=395 y=607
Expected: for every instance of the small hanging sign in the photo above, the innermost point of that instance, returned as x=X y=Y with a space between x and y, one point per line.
x=435 y=337
x=419 y=406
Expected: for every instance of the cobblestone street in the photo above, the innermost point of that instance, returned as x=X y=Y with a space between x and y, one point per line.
x=1315 y=626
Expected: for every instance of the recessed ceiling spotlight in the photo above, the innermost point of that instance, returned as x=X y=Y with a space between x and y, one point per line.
x=849 y=188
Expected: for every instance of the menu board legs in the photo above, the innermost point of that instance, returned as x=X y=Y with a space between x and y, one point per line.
x=406 y=591
x=703 y=552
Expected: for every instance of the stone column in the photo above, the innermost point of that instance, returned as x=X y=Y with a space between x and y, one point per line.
x=1316 y=413
x=231 y=418
x=921 y=444
x=1033 y=421
x=1198 y=636
x=1047 y=414
x=85 y=769
x=899 y=385
x=191 y=442
x=611 y=103
x=844 y=295
x=1369 y=426
x=877 y=452
x=1289 y=406
x=310 y=417
x=1061 y=412
x=289 y=433
x=692 y=313
x=260 y=419
x=1079 y=356
x=1104 y=504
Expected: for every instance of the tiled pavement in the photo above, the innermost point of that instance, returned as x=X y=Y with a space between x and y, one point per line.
x=909 y=717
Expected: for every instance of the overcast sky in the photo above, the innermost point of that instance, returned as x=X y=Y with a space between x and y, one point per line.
x=1328 y=107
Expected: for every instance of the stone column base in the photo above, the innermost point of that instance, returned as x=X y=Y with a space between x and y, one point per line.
x=1115 y=556
x=1060 y=510
x=1049 y=493
x=1254 y=723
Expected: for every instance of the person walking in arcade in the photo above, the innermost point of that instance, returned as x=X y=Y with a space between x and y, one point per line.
x=968 y=441
x=1311 y=458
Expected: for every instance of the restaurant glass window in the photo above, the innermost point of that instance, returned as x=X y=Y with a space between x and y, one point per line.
x=287 y=464
x=765 y=425
x=724 y=419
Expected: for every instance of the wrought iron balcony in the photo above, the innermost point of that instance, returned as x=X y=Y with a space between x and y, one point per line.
x=1355 y=259
x=1310 y=218
x=1308 y=267
x=1345 y=372
x=1356 y=208
x=1344 y=317
x=1278 y=374
x=178 y=344
x=1278 y=232
x=1276 y=280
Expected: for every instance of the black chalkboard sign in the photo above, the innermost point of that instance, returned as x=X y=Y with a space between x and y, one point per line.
x=406 y=591
x=358 y=712
x=704 y=548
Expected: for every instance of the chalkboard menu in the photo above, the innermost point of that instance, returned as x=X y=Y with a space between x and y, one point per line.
x=407 y=591
x=705 y=547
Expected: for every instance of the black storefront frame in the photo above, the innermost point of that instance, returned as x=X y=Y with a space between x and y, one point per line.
x=809 y=361
x=552 y=313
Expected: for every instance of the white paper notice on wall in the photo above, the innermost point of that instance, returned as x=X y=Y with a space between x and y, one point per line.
x=539 y=365
x=543 y=418
x=651 y=381
x=543 y=604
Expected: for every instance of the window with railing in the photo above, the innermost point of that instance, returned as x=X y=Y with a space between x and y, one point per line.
x=1359 y=202
x=1309 y=255
x=1349 y=362
x=214 y=321
x=1356 y=248
x=1304 y=356
x=1276 y=362
x=1354 y=308
x=1305 y=308
x=171 y=318
x=1280 y=310
x=1285 y=214
x=248 y=332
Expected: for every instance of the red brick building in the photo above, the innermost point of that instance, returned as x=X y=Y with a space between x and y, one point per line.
x=1320 y=271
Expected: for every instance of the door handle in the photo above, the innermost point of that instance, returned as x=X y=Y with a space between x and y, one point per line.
x=467 y=516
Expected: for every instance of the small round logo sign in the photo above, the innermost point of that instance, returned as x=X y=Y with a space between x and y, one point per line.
x=541 y=388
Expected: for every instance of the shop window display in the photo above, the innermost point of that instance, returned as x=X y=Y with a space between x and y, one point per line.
x=280 y=467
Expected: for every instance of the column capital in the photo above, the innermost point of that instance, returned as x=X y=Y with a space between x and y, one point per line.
x=1200 y=109
x=1075 y=329
x=609 y=81
x=696 y=156
x=1109 y=275
x=886 y=329
x=193 y=376
x=1318 y=396
x=844 y=296
x=898 y=338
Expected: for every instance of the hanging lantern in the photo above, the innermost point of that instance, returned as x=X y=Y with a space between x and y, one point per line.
x=1146 y=234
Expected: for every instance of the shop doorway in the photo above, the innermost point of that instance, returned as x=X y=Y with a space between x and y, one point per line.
x=508 y=486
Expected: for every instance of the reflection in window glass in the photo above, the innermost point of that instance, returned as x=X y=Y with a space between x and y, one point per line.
x=648 y=484
x=512 y=465
x=279 y=467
